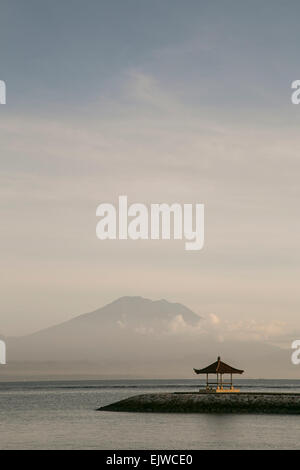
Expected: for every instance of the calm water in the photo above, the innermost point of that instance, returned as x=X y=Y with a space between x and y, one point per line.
x=61 y=415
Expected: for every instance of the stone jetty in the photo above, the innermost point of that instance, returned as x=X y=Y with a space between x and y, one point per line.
x=180 y=402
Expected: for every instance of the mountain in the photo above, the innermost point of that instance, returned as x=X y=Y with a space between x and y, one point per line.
x=124 y=314
x=136 y=312
x=107 y=333
x=137 y=337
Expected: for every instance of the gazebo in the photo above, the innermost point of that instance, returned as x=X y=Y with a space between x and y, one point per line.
x=219 y=368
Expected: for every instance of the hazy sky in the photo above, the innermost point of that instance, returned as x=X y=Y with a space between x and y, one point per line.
x=165 y=101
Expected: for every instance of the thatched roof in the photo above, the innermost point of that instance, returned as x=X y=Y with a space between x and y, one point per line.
x=218 y=367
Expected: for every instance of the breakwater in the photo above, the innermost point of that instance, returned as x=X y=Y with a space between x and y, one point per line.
x=180 y=402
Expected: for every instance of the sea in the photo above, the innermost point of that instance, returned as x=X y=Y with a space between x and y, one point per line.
x=63 y=415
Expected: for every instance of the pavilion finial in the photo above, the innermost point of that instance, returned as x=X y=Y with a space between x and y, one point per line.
x=219 y=358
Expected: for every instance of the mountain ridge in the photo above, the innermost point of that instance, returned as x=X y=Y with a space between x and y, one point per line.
x=165 y=307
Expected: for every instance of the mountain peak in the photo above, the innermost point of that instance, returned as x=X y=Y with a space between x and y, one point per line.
x=128 y=298
x=138 y=312
x=156 y=306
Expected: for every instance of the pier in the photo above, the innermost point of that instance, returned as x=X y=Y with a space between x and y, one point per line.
x=202 y=402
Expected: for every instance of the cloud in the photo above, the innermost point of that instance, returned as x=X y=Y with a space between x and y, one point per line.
x=145 y=89
x=224 y=330
x=215 y=320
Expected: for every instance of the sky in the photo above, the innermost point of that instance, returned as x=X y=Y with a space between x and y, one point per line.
x=164 y=102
